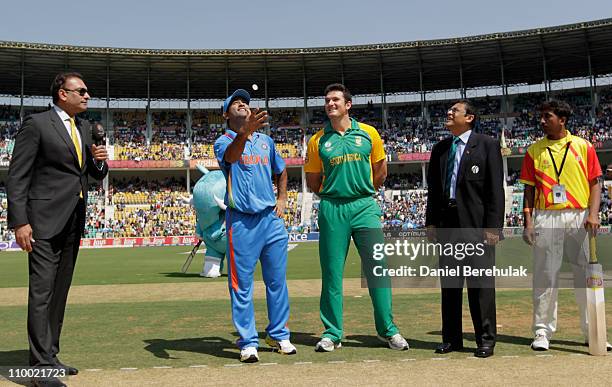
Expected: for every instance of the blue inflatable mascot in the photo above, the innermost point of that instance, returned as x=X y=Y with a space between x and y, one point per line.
x=208 y=195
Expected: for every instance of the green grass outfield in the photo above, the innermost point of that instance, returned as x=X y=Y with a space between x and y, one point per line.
x=198 y=331
x=156 y=265
x=182 y=334
x=162 y=264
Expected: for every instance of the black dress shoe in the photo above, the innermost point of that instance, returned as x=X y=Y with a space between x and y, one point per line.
x=448 y=347
x=51 y=382
x=69 y=369
x=483 y=352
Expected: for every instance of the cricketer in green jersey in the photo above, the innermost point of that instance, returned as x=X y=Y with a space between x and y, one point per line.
x=345 y=165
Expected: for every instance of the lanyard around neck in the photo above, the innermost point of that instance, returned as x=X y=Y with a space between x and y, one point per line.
x=560 y=169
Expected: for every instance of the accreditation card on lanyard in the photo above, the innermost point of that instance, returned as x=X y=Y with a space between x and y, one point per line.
x=558 y=190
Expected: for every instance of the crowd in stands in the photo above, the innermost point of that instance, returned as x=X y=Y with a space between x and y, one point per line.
x=415 y=136
x=488 y=106
x=169 y=127
x=370 y=114
x=157 y=208
x=204 y=137
x=95 y=216
x=169 y=135
x=400 y=211
x=404 y=181
x=155 y=151
x=317 y=119
x=513 y=176
x=147 y=208
x=605 y=211
x=202 y=150
x=167 y=141
x=490 y=126
x=9 y=123
x=526 y=128
x=5 y=233
x=6 y=151
x=207 y=118
x=293 y=211
x=408 y=131
x=514 y=217
x=130 y=128
x=289 y=141
x=314 y=216
x=151 y=208
x=404 y=211
x=285 y=117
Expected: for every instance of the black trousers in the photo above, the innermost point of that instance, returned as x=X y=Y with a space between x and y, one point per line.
x=51 y=265
x=481 y=290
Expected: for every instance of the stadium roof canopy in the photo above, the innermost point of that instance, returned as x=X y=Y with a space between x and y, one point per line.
x=475 y=61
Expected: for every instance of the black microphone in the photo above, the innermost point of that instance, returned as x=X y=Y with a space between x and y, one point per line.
x=97 y=134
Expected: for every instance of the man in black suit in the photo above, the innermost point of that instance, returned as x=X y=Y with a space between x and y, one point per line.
x=465 y=204
x=47 y=195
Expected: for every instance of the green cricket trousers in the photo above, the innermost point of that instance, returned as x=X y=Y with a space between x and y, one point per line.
x=339 y=220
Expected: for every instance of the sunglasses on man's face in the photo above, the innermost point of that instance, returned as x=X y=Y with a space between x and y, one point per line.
x=82 y=91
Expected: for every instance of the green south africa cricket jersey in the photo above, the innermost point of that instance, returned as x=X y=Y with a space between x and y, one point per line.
x=345 y=161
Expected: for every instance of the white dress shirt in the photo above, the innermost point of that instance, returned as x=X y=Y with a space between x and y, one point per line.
x=66 y=120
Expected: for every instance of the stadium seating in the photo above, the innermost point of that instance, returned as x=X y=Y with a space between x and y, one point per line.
x=371 y=115
x=405 y=210
x=6 y=150
x=5 y=233
x=293 y=212
x=606 y=205
x=202 y=150
x=289 y=141
x=138 y=208
x=169 y=127
x=404 y=181
x=285 y=117
x=407 y=131
x=514 y=217
x=150 y=209
x=95 y=226
x=9 y=124
x=526 y=128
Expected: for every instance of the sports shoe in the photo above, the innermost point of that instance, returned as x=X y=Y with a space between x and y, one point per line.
x=396 y=342
x=540 y=343
x=211 y=268
x=249 y=355
x=284 y=347
x=326 y=345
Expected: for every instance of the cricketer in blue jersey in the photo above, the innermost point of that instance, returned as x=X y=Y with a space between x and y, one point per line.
x=254 y=222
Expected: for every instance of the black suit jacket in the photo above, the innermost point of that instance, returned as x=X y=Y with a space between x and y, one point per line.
x=479 y=189
x=45 y=179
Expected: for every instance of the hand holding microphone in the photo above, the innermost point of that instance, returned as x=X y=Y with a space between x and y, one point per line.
x=98 y=150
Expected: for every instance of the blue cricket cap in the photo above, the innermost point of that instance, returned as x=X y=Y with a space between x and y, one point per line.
x=239 y=93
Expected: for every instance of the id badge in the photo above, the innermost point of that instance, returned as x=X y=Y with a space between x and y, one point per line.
x=559 y=196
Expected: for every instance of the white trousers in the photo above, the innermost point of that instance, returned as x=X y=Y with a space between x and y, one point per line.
x=559 y=233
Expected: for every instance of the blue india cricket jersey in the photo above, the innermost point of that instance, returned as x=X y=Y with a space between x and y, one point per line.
x=249 y=180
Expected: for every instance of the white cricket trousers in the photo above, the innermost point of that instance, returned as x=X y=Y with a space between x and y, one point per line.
x=558 y=233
